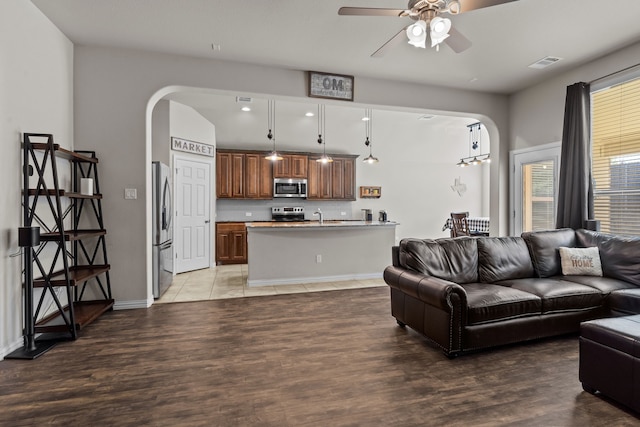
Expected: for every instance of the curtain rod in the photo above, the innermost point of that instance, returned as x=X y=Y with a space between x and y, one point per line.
x=613 y=74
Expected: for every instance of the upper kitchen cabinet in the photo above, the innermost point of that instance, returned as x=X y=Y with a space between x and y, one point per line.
x=291 y=166
x=319 y=180
x=332 y=181
x=258 y=177
x=243 y=175
x=229 y=175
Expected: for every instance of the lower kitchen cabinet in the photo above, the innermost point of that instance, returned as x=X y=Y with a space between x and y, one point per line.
x=231 y=243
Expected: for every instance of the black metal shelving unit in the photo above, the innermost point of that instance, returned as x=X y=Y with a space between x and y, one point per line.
x=68 y=261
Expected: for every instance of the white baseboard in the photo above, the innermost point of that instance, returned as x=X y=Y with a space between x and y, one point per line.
x=129 y=305
x=300 y=280
x=11 y=347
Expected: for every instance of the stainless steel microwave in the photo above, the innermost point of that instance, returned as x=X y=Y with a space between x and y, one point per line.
x=290 y=187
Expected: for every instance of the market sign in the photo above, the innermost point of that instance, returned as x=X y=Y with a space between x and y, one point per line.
x=192 y=147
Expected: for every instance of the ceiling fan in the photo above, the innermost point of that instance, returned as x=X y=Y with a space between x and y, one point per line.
x=426 y=13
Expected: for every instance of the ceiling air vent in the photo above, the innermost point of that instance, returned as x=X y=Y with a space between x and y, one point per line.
x=426 y=117
x=545 y=62
x=244 y=99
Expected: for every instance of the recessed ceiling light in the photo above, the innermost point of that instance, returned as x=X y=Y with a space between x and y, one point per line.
x=245 y=108
x=365 y=119
x=309 y=114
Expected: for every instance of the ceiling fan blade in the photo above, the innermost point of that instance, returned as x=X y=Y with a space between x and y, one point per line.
x=393 y=41
x=457 y=41
x=370 y=11
x=469 y=5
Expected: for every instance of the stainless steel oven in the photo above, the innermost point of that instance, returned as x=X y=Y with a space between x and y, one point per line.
x=290 y=187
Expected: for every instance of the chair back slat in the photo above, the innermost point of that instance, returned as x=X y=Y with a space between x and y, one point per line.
x=460 y=226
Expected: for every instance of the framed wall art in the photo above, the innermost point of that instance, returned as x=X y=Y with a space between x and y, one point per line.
x=332 y=86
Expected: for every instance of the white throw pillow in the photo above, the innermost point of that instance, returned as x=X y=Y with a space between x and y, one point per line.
x=581 y=261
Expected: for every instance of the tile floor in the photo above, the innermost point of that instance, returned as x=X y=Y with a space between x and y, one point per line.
x=230 y=281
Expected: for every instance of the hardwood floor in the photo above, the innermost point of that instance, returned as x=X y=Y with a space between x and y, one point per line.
x=334 y=358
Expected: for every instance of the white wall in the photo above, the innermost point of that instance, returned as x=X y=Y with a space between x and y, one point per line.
x=113 y=88
x=161 y=133
x=537 y=113
x=36 y=95
x=187 y=123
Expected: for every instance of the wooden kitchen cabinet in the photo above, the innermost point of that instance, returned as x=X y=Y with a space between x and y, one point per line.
x=258 y=177
x=224 y=175
x=350 y=179
x=248 y=175
x=331 y=181
x=319 y=180
x=231 y=243
x=238 y=175
x=243 y=175
x=230 y=175
x=337 y=179
x=291 y=166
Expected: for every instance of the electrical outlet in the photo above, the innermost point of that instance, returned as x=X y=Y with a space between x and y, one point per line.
x=130 y=193
x=343 y=213
x=248 y=214
x=318 y=259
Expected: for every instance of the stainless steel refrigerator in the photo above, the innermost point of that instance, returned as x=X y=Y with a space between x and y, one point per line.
x=162 y=246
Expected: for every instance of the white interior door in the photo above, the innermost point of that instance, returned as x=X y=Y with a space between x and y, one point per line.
x=192 y=235
x=534 y=188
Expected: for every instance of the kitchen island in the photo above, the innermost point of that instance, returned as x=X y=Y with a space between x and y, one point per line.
x=283 y=253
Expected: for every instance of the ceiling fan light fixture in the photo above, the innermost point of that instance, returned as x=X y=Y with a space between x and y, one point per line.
x=440 y=26
x=439 y=30
x=453 y=7
x=417 y=34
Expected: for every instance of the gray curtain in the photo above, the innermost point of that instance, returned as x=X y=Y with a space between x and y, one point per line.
x=575 y=190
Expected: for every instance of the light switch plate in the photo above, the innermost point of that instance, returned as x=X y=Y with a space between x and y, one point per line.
x=130 y=193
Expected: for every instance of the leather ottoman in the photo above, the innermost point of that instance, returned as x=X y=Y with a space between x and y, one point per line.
x=610 y=358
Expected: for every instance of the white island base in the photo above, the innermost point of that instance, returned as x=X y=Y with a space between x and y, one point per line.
x=309 y=252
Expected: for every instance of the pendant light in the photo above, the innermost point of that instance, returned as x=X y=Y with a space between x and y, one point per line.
x=368 y=124
x=322 y=131
x=475 y=143
x=271 y=123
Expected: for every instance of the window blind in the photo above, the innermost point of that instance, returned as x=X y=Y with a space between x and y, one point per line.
x=615 y=139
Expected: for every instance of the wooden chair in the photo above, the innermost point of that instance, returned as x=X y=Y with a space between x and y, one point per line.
x=459 y=224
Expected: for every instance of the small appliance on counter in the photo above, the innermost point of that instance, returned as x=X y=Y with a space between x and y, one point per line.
x=367 y=215
x=287 y=213
x=382 y=216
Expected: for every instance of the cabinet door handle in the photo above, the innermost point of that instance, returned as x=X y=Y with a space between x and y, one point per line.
x=206 y=222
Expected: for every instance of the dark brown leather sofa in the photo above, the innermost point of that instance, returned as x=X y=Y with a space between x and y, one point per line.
x=471 y=293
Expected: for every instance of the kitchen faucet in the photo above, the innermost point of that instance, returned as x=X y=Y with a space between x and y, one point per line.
x=319 y=213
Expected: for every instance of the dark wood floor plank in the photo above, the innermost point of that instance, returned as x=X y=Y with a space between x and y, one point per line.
x=332 y=358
